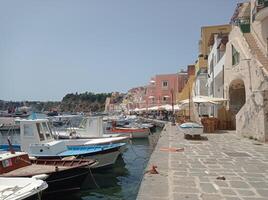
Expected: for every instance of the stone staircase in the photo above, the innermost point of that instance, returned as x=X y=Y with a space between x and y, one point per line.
x=256 y=50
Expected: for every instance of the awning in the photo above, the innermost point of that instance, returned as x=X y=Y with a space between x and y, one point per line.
x=204 y=99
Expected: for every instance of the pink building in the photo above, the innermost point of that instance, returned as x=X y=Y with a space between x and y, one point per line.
x=163 y=88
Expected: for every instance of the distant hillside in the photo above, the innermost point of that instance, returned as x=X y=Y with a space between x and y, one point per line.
x=73 y=102
x=84 y=102
x=36 y=106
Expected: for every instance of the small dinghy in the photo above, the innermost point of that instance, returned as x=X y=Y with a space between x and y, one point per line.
x=113 y=129
x=21 y=188
x=130 y=132
x=191 y=129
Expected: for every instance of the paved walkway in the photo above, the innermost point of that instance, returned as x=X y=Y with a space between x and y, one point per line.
x=192 y=174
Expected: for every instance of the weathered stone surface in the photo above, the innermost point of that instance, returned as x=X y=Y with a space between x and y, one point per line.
x=192 y=173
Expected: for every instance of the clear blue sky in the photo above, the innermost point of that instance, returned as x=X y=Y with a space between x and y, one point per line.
x=52 y=47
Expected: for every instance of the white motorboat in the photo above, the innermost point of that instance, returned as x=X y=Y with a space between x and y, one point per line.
x=21 y=188
x=36 y=136
x=191 y=129
x=91 y=130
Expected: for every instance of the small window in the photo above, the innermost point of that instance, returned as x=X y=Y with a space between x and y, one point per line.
x=164 y=98
x=7 y=163
x=28 y=130
x=83 y=124
x=46 y=130
x=164 y=84
x=235 y=56
x=40 y=132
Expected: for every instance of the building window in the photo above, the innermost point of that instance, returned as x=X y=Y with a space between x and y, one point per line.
x=165 y=84
x=235 y=56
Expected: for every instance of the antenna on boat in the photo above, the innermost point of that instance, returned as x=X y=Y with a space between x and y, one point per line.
x=10 y=146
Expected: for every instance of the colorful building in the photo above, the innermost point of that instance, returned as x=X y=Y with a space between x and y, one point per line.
x=163 y=88
x=204 y=47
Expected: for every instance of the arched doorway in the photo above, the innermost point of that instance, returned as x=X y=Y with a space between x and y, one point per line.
x=237 y=97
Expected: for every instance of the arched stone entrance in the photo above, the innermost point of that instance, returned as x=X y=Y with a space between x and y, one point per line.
x=237 y=95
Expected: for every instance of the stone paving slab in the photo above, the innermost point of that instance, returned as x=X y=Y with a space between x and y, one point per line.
x=192 y=173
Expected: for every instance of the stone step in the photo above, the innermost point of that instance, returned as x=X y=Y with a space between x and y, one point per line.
x=255 y=49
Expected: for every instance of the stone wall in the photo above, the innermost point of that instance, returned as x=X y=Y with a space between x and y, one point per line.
x=251 y=119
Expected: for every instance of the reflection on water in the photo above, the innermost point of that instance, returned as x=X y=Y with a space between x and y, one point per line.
x=123 y=180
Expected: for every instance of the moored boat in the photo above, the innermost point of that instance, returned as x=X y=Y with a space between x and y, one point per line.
x=19 y=188
x=131 y=132
x=91 y=130
x=105 y=155
x=36 y=134
x=191 y=129
x=60 y=175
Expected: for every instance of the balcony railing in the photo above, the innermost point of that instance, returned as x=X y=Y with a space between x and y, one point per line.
x=243 y=23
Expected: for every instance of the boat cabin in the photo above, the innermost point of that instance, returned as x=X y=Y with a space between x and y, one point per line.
x=36 y=131
x=89 y=126
x=12 y=161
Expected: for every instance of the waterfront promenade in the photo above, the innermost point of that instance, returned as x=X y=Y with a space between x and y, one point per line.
x=192 y=172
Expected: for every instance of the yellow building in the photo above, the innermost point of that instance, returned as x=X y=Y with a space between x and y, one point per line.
x=207 y=34
x=184 y=94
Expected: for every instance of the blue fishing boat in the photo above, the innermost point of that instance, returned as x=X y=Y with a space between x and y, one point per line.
x=37 y=140
x=105 y=155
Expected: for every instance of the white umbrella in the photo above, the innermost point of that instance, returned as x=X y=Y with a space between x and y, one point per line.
x=154 y=108
x=166 y=107
x=203 y=99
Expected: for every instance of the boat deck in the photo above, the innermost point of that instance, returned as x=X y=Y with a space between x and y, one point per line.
x=44 y=166
x=32 y=170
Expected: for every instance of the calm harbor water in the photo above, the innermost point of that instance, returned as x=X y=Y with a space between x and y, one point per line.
x=121 y=181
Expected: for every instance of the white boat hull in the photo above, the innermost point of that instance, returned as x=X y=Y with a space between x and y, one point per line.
x=105 y=160
x=96 y=141
x=20 y=188
x=190 y=128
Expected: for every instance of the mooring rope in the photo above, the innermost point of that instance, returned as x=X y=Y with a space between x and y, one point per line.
x=93 y=178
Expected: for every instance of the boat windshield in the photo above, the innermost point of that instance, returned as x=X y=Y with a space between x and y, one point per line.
x=83 y=123
x=40 y=131
x=46 y=130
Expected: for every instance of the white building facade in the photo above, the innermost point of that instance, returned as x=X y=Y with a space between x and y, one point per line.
x=216 y=60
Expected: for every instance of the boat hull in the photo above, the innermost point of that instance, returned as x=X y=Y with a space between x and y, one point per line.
x=104 y=158
x=192 y=129
x=132 y=133
x=66 y=181
x=18 y=188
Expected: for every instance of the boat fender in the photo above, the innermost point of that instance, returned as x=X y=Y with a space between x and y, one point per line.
x=40 y=177
x=56 y=169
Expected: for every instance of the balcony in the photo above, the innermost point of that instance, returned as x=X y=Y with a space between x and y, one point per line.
x=244 y=24
x=260 y=10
